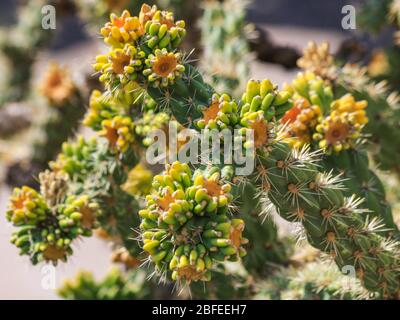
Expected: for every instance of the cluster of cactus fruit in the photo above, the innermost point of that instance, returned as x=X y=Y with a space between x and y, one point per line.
x=49 y=221
x=187 y=227
x=186 y=224
x=383 y=105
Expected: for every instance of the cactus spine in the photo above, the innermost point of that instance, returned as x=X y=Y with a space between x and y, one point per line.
x=336 y=125
x=382 y=109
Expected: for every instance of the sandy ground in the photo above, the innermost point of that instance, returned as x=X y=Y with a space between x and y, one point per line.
x=20 y=280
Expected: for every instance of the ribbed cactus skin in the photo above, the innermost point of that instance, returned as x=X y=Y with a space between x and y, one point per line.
x=264 y=246
x=191 y=85
x=330 y=223
x=361 y=180
x=350 y=159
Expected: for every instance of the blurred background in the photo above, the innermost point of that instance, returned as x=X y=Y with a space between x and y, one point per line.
x=280 y=31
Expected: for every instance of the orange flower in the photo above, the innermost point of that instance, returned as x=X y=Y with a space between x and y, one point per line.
x=57 y=85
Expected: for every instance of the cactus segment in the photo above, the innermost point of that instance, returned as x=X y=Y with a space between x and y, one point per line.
x=332 y=223
x=337 y=131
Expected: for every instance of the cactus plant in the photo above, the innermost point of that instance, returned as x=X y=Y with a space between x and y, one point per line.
x=335 y=126
x=61 y=108
x=313 y=281
x=291 y=180
x=187 y=229
x=21 y=43
x=226 y=54
x=115 y=286
x=382 y=107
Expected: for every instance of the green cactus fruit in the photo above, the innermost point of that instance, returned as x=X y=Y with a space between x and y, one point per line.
x=185 y=225
x=74 y=158
x=47 y=225
x=221 y=113
x=116 y=285
x=148 y=123
x=264 y=96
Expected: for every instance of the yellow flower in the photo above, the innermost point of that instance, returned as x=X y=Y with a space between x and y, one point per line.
x=343 y=126
x=119 y=132
x=122 y=29
x=26 y=206
x=163 y=67
x=301 y=121
x=349 y=107
x=120 y=66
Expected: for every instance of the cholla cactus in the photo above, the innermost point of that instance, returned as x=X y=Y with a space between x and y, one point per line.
x=60 y=109
x=115 y=286
x=94 y=167
x=313 y=281
x=292 y=182
x=226 y=54
x=21 y=43
x=187 y=228
x=336 y=127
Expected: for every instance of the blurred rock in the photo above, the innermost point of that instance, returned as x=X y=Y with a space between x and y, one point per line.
x=14 y=117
